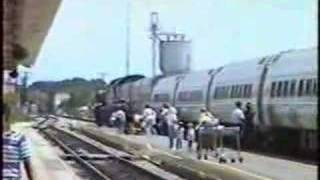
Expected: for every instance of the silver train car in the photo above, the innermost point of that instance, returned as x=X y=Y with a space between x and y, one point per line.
x=282 y=89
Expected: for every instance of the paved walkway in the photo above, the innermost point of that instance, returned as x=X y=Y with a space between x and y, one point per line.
x=45 y=161
x=259 y=165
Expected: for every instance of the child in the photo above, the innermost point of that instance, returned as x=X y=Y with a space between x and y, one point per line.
x=180 y=133
x=190 y=136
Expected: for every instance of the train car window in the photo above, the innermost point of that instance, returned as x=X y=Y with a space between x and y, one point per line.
x=250 y=90
x=300 y=90
x=190 y=96
x=279 y=89
x=184 y=96
x=237 y=91
x=245 y=91
x=292 y=87
x=161 y=97
x=228 y=92
x=285 y=88
x=217 y=92
x=196 y=95
x=308 y=91
x=273 y=87
x=315 y=87
x=232 y=91
x=241 y=91
x=224 y=92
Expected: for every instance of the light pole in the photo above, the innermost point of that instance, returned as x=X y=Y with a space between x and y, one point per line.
x=128 y=39
x=154 y=28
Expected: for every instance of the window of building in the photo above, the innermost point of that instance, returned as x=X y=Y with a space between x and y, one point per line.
x=285 y=88
x=273 y=88
x=292 y=87
x=300 y=90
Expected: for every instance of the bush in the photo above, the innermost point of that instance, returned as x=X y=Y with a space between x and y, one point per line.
x=16 y=115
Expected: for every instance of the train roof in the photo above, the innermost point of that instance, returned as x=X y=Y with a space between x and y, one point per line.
x=126 y=79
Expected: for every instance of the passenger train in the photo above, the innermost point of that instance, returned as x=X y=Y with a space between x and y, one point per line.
x=282 y=88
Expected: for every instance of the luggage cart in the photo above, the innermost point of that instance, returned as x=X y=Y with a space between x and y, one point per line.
x=207 y=138
x=221 y=132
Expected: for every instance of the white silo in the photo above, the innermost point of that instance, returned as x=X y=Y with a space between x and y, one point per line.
x=175 y=56
x=174 y=50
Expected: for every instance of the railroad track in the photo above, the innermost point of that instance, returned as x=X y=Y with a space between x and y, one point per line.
x=103 y=163
x=261 y=151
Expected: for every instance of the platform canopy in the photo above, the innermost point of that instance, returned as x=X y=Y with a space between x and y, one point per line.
x=25 y=25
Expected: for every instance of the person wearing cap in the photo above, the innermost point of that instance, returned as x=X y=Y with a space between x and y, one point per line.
x=205 y=116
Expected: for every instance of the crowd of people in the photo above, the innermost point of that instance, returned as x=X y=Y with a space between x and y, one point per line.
x=166 y=122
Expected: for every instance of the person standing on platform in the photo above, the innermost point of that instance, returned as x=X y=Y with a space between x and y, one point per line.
x=171 y=120
x=121 y=119
x=97 y=114
x=190 y=136
x=180 y=134
x=15 y=150
x=249 y=115
x=163 y=126
x=237 y=118
x=149 y=118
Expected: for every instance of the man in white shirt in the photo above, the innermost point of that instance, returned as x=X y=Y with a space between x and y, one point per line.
x=149 y=118
x=171 y=120
x=122 y=120
x=237 y=117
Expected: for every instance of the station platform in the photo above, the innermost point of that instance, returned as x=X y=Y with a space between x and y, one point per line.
x=262 y=167
x=45 y=158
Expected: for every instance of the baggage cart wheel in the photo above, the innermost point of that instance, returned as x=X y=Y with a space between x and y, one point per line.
x=233 y=160
x=240 y=159
x=206 y=157
x=222 y=160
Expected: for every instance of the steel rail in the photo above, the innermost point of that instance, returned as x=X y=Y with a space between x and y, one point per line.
x=77 y=157
x=125 y=160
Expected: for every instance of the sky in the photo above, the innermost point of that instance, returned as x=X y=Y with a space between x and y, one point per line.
x=88 y=37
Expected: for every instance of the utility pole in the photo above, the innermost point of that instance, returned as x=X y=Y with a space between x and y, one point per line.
x=154 y=36
x=103 y=76
x=24 y=87
x=128 y=39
